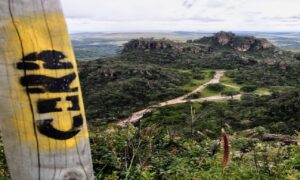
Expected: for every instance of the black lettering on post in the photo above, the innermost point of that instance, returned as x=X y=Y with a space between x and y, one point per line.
x=39 y=83
x=48 y=105
x=27 y=63
x=30 y=57
x=46 y=128
x=49 y=84
x=52 y=60
x=75 y=103
x=27 y=66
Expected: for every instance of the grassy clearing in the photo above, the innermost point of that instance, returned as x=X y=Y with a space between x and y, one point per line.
x=208 y=92
x=268 y=91
x=263 y=91
x=227 y=80
x=194 y=83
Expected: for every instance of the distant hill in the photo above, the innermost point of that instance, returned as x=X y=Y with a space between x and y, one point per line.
x=90 y=46
x=204 y=44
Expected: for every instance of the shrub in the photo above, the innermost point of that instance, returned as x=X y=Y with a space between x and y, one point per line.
x=216 y=87
x=244 y=144
x=194 y=96
x=248 y=88
x=230 y=93
x=261 y=130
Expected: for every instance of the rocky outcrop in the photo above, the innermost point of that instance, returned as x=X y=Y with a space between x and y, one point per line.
x=223 y=38
x=242 y=44
x=156 y=44
x=239 y=43
x=148 y=44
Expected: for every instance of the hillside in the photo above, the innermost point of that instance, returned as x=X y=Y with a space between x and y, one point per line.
x=163 y=87
x=151 y=70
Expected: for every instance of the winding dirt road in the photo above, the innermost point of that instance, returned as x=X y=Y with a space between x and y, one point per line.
x=180 y=100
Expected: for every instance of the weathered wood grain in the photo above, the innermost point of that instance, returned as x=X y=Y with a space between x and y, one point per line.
x=41 y=109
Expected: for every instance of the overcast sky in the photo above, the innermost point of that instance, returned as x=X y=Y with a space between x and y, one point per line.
x=181 y=15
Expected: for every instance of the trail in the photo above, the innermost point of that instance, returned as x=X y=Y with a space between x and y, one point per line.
x=180 y=100
x=231 y=86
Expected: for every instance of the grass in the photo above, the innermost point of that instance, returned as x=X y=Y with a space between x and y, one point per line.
x=227 y=80
x=263 y=91
x=268 y=91
x=207 y=92
x=194 y=83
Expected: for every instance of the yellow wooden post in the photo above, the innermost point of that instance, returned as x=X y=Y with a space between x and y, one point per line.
x=41 y=110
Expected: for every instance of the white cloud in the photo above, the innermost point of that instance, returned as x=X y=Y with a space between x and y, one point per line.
x=186 y=15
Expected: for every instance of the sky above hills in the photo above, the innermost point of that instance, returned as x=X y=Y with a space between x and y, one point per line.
x=181 y=15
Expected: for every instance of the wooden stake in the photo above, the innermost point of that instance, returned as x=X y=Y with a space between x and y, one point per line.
x=42 y=115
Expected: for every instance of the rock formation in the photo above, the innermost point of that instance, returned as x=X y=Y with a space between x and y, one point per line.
x=155 y=44
x=202 y=45
x=239 y=43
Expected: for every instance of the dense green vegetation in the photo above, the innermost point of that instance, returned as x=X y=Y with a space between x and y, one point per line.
x=115 y=89
x=160 y=152
x=278 y=113
x=177 y=141
x=266 y=75
x=249 y=88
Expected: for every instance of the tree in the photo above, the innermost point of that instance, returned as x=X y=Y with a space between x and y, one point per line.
x=230 y=93
x=216 y=87
x=249 y=88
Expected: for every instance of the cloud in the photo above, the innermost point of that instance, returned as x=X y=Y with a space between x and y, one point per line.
x=295 y=19
x=193 y=15
x=188 y=3
x=215 y=3
x=205 y=19
x=286 y=21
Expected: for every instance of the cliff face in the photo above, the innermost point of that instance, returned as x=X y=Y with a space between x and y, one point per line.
x=223 y=38
x=239 y=43
x=148 y=44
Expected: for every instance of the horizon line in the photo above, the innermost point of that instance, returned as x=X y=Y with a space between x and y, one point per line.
x=178 y=31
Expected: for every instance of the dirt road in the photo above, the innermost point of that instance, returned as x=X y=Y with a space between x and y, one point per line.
x=180 y=100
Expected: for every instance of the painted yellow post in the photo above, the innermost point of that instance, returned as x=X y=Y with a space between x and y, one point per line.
x=41 y=110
